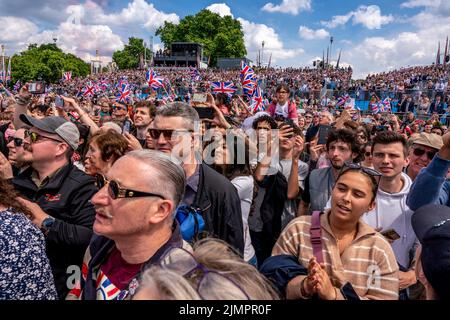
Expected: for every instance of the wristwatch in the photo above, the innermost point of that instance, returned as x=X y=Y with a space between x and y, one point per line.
x=47 y=225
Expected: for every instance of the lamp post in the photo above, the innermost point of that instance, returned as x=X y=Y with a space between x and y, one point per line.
x=331 y=43
x=262 y=52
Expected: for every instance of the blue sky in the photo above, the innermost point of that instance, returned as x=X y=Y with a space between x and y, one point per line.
x=374 y=35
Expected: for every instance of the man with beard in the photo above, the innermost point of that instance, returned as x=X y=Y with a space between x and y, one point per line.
x=341 y=147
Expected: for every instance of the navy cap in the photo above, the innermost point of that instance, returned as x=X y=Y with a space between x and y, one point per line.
x=431 y=223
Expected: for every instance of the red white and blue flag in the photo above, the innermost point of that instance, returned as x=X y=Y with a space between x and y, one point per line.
x=195 y=75
x=257 y=102
x=248 y=79
x=154 y=80
x=17 y=86
x=342 y=101
x=382 y=106
x=124 y=94
x=67 y=76
x=223 y=87
x=89 y=90
x=246 y=70
x=106 y=290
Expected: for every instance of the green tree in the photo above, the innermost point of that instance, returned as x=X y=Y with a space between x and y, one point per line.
x=128 y=58
x=47 y=62
x=220 y=36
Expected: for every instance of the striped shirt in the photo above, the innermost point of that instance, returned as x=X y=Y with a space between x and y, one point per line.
x=368 y=263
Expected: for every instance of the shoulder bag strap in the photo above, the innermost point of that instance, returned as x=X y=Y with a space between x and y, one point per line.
x=316 y=236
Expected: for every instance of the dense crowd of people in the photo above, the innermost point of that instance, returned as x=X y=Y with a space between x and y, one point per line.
x=166 y=196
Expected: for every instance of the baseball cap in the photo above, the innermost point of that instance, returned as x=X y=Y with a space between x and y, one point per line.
x=431 y=140
x=431 y=223
x=66 y=130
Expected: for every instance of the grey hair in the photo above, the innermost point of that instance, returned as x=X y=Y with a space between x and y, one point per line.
x=182 y=110
x=167 y=285
x=170 y=176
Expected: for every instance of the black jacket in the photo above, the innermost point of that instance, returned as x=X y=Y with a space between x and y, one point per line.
x=66 y=197
x=221 y=208
x=272 y=209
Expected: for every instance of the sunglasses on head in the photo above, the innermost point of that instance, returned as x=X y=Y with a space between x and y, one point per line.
x=115 y=192
x=17 y=141
x=354 y=166
x=420 y=152
x=168 y=134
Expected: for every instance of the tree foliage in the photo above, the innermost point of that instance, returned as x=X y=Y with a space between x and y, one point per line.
x=46 y=62
x=128 y=58
x=220 y=36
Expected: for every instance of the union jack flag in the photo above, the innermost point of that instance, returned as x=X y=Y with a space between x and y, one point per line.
x=124 y=94
x=103 y=84
x=89 y=90
x=343 y=100
x=17 y=86
x=223 y=87
x=67 y=76
x=246 y=71
x=195 y=75
x=257 y=102
x=249 y=85
x=106 y=290
x=154 y=80
x=381 y=106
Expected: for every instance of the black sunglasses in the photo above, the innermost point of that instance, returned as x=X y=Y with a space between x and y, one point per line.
x=420 y=152
x=367 y=154
x=354 y=166
x=168 y=134
x=17 y=141
x=116 y=192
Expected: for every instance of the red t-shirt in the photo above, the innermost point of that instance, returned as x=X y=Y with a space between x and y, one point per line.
x=114 y=276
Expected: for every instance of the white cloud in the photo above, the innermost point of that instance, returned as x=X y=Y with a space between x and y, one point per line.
x=441 y=7
x=309 y=34
x=415 y=47
x=255 y=34
x=368 y=16
x=82 y=40
x=288 y=6
x=420 y=3
x=138 y=13
x=16 y=29
x=220 y=8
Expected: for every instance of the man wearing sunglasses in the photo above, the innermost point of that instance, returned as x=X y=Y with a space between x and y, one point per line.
x=58 y=193
x=19 y=156
x=134 y=224
x=216 y=198
x=422 y=151
x=390 y=157
x=432 y=185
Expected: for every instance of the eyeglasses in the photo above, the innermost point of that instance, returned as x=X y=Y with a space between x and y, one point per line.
x=210 y=283
x=116 y=192
x=34 y=136
x=282 y=92
x=368 y=154
x=420 y=152
x=168 y=134
x=17 y=141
